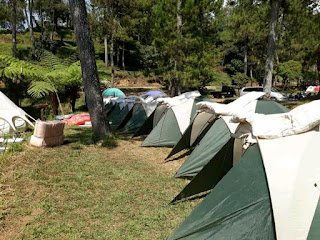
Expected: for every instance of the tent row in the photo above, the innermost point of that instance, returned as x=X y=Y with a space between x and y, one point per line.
x=270 y=190
x=253 y=160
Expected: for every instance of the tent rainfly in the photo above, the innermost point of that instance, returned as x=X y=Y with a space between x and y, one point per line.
x=163 y=105
x=205 y=118
x=173 y=123
x=117 y=119
x=12 y=117
x=272 y=191
x=218 y=135
x=154 y=93
x=113 y=92
x=109 y=103
x=141 y=110
x=145 y=108
x=198 y=127
x=117 y=108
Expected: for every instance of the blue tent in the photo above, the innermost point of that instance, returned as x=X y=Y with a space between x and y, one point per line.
x=156 y=93
x=114 y=92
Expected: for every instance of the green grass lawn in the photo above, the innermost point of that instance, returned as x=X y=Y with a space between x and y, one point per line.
x=83 y=191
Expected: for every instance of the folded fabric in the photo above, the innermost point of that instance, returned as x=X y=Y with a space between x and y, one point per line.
x=299 y=120
x=231 y=108
x=170 y=102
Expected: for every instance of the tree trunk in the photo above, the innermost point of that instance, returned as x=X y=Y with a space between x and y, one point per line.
x=111 y=61
x=41 y=23
x=111 y=51
x=123 y=65
x=275 y=80
x=14 y=28
x=176 y=86
x=91 y=82
x=179 y=18
x=54 y=103
x=30 y=4
x=245 y=61
x=118 y=55
x=267 y=81
x=73 y=97
x=251 y=75
x=52 y=24
x=106 y=51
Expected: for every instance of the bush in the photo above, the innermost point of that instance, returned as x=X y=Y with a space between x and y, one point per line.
x=240 y=80
x=110 y=142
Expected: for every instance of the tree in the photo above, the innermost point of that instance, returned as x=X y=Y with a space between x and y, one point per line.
x=14 y=28
x=267 y=81
x=89 y=69
x=244 y=34
x=290 y=71
x=30 y=24
x=185 y=35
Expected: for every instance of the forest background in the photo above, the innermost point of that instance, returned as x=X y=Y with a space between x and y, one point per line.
x=180 y=44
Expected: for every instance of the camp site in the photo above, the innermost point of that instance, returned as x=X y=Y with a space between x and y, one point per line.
x=159 y=119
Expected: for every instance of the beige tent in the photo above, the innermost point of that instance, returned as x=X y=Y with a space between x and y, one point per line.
x=12 y=118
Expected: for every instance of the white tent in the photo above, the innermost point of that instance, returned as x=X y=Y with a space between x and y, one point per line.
x=12 y=118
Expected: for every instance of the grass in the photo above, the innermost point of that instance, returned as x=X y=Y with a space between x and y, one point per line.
x=79 y=190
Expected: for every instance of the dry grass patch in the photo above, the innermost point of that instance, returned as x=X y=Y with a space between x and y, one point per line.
x=84 y=191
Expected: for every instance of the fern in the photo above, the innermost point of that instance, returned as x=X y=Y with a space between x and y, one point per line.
x=51 y=75
x=14 y=68
x=39 y=89
x=51 y=61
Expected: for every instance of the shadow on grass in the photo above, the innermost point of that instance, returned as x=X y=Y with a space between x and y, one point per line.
x=196 y=197
x=177 y=158
x=77 y=137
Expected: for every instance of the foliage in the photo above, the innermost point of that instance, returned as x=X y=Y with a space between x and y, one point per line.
x=50 y=76
x=221 y=78
x=290 y=71
x=109 y=142
x=39 y=89
x=213 y=37
x=235 y=66
x=240 y=80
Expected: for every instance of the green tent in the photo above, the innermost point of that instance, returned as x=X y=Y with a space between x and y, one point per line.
x=173 y=123
x=109 y=106
x=216 y=137
x=199 y=126
x=137 y=119
x=238 y=208
x=271 y=193
x=114 y=113
x=128 y=116
x=139 y=114
x=151 y=121
x=122 y=114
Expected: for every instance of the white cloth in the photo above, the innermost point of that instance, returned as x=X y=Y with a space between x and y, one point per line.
x=142 y=100
x=299 y=120
x=233 y=107
x=178 y=99
x=149 y=107
x=231 y=125
x=182 y=113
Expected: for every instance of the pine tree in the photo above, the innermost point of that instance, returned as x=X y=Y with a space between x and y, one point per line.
x=89 y=69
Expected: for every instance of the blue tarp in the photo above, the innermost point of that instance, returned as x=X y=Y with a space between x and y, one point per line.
x=154 y=93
